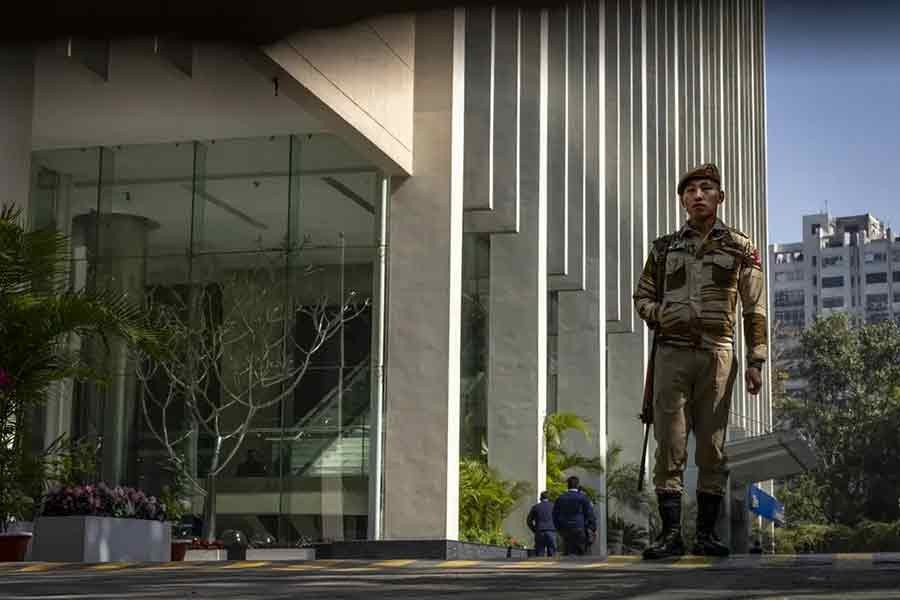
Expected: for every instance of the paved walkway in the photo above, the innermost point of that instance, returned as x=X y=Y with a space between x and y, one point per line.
x=854 y=576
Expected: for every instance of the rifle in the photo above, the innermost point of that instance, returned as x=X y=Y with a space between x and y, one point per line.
x=646 y=415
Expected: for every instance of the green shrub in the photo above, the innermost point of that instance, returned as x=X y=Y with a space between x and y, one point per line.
x=485 y=500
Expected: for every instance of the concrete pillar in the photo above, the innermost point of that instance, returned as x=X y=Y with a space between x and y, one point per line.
x=16 y=110
x=626 y=360
x=517 y=384
x=421 y=447
x=120 y=245
x=581 y=383
x=581 y=342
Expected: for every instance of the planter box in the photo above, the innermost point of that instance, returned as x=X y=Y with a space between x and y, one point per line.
x=416 y=549
x=13 y=546
x=272 y=554
x=100 y=539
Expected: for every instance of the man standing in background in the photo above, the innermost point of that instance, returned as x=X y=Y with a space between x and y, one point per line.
x=573 y=516
x=540 y=522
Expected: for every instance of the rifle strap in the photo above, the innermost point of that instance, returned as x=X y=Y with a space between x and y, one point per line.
x=662 y=252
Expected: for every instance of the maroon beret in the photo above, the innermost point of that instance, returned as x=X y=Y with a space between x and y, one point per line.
x=704 y=171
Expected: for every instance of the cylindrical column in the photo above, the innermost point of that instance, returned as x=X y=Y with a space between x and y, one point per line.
x=117 y=245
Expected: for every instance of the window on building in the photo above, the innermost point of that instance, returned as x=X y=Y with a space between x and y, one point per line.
x=833 y=282
x=789 y=298
x=896 y=297
x=896 y=255
x=852 y=300
x=875 y=257
x=896 y=276
x=833 y=302
x=798 y=257
x=832 y=261
x=790 y=318
x=876 y=302
x=814 y=260
x=815 y=280
x=876 y=277
x=789 y=276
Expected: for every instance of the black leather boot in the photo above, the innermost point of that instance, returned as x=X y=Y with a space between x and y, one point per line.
x=669 y=542
x=708 y=543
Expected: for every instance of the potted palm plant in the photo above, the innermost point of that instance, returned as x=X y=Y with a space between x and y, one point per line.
x=38 y=313
x=625 y=537
x=16 y=506
x=175 y=498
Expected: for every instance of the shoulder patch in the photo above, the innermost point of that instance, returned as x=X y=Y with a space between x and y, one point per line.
x=661 y=243
x=739 y=235
x=754 y=257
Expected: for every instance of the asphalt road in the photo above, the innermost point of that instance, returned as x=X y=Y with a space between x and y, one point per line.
x=807 y=577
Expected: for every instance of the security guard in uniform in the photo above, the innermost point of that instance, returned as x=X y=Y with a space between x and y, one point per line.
x=688 y=294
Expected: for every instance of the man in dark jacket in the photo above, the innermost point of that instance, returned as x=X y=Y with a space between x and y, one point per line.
x=573 y=516
x=540 y=521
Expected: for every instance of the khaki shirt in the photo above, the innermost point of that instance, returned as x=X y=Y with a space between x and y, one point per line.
x=701 y=283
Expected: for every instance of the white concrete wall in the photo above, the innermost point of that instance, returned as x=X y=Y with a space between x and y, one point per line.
x=422 y=378
x=364 y=74
x=147 y=100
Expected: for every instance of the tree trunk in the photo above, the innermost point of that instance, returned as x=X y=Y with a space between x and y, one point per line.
x=209 y=509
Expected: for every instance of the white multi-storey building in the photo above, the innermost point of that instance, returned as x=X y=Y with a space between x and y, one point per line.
x=844 y=264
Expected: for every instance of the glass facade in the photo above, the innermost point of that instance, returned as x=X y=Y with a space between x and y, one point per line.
x=476 y=279
x=253 y=249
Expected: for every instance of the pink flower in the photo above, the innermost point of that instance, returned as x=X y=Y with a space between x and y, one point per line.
x=6 y=380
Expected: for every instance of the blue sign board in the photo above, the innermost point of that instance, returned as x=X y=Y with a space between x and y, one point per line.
x=765 y=505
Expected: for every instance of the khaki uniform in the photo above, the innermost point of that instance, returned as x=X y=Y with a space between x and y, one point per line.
x=695 y=365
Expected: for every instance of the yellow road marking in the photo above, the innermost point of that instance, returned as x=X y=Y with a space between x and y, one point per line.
x=113 y=566
x=397 y=562
x=623 y=558
x=853 y=560
x=596 y=565
x=172 y=566
x=690 y=562
x=525 y=565
x=299 y=568
x=37 y=568
x=307 y=566
x=246 y=565
x=779 y=559
x=859 y=556
x=452 y=564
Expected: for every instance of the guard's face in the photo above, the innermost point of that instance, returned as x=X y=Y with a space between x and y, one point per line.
x=701 y=198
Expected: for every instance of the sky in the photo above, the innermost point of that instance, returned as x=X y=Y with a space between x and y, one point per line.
x=833 y=111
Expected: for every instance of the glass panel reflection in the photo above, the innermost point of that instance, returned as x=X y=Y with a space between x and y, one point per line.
x=261 y=253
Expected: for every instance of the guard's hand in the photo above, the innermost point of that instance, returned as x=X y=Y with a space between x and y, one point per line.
x=753 y=378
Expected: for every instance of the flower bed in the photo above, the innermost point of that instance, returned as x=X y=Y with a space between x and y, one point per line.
x=99 y=523
x=103 y=501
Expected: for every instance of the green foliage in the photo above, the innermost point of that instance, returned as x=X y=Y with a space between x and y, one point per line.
x=560 y=462
x=71 y=462
x=852 y=412
x=634 y=537
x=38 y=314
x=867 y=536
x=176 y=494
x=485 y=500
x=802 y=498
x=622 y=488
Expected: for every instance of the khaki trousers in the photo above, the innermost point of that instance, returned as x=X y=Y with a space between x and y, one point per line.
x=691 y=392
